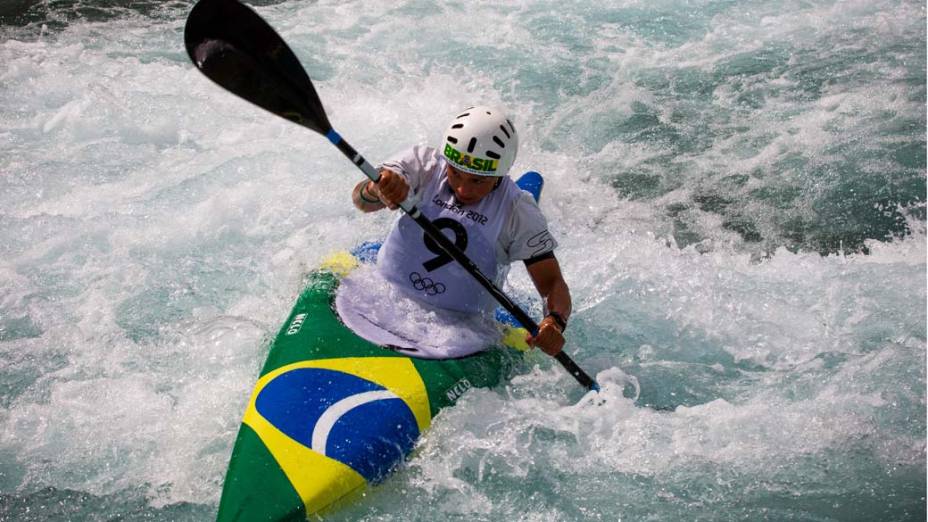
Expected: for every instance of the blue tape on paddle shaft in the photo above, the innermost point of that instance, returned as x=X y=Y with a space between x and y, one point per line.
x=333 y=137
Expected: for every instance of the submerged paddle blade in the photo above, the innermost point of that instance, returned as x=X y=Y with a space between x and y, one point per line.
x=236 y=48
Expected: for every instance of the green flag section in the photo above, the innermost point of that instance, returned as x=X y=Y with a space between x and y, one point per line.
x=332 y=412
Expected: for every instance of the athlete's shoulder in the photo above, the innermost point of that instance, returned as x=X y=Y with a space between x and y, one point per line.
x=425 y=153
x=417 y=164
x=525 y=209
x=416 y=157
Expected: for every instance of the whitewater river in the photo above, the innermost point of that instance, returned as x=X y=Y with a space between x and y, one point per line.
x=738 y=188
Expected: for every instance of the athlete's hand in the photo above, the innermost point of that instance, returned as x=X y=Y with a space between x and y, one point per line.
x=549 y=338
x=392 y=189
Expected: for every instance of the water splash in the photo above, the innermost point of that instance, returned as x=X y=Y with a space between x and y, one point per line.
x=714 y=171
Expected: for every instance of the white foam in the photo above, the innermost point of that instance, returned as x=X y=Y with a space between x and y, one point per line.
x=162 y=228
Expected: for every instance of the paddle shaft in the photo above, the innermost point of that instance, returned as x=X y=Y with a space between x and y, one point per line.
x=455 y=253
x=237 y=49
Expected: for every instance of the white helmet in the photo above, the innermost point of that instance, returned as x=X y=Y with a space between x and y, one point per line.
x=481 y=141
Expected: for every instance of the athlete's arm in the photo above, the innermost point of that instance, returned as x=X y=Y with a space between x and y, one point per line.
x=389 y=192
x=546 y=274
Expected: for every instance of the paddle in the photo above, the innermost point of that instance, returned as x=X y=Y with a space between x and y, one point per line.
x=236 y=48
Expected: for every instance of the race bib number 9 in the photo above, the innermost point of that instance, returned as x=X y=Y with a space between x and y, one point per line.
x=441 y=259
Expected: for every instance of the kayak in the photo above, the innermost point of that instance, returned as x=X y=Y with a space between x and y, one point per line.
x=332 y=412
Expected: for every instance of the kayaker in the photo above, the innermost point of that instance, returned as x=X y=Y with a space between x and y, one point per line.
x=464 y=188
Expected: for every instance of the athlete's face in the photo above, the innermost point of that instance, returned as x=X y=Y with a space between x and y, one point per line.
x=470 y=188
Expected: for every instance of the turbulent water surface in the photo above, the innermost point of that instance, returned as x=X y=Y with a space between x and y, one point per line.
x=738 y=188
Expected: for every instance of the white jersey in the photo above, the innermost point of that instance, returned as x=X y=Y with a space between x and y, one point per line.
x=504 y=226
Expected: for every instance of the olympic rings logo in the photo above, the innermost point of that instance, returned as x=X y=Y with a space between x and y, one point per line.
x=425 y=284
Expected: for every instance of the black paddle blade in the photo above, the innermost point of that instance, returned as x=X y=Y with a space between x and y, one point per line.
x=237 y=49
